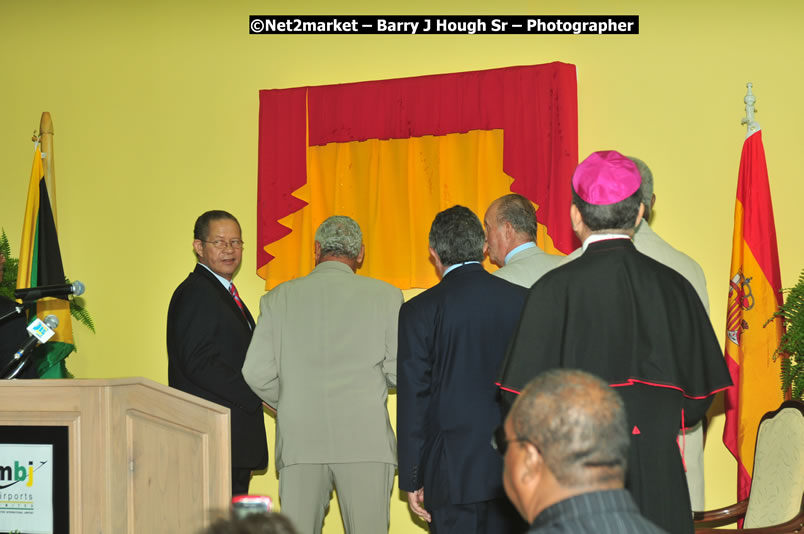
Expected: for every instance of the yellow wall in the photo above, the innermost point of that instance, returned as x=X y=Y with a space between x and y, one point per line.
x=155 y=109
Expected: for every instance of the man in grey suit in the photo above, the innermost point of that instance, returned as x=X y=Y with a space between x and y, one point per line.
x=511 y=228
x=650 y=244
x=323 y=355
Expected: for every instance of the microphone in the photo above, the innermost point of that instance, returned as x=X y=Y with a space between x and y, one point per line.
x=40 y=331
x=60 y=290
x=43 y=330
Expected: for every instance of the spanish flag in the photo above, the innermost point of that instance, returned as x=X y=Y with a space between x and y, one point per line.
x=40 y=265
x=754 y=295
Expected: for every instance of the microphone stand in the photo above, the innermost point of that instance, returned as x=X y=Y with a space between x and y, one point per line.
x=21 y=363
x=13 y=367
x=9 y=371
x=17 y=310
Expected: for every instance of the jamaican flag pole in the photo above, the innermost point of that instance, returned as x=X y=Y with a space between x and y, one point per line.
x=40 y=265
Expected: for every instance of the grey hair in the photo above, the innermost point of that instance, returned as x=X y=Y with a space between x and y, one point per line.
x=578 y=424
x=339 y=236
x=519 y=213
x=646 y=189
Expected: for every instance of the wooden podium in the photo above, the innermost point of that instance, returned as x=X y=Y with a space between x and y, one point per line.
x=143 y=457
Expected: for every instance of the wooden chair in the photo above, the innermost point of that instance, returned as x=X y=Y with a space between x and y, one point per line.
x=775 y=504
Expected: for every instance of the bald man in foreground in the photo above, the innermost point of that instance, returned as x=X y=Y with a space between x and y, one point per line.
x=565 y=444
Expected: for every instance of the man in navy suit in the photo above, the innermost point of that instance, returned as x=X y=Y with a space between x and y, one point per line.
x=452 y=339
x=208 y=332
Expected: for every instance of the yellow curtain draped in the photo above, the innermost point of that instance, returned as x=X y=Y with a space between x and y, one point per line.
x=388 y=186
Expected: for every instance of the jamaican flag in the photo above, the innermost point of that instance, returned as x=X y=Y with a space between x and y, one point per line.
x=40 y=265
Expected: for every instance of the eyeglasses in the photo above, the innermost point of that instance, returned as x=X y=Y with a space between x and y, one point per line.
x=500 y=442
x=222 y=243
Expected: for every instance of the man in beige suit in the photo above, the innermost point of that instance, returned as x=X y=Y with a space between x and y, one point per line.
x=650 y=244
x=511 y=237
x=324 y=354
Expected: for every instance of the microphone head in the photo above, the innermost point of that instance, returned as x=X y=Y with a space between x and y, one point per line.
x=51 y=321
x=78 y=288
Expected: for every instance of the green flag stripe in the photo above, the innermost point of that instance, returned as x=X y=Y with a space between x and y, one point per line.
x=51 y=357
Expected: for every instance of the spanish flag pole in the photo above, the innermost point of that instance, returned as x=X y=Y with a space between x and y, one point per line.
x=754 y=295
x=40 y=257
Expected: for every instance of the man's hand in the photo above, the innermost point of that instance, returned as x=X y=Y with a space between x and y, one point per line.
x=416 y=503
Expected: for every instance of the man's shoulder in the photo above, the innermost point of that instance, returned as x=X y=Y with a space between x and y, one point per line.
x=651 y=244
x=475 y=281
x=567 y=266
x=364 y=285
x=196 y=280
x=478 y=279
x=536 y=255
x=605 y=511
x=196 y=296
x=380 y=286
x=528 y=266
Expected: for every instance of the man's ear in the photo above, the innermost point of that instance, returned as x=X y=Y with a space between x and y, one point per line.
x=509 y=230
x=436 y=261
x=317 y=252
x=198 y=246
x=360 y=256
x=575 y=218
x=640 y=214
x=533 y=464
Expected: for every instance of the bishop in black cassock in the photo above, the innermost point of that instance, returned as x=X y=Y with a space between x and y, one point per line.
x=632 y=321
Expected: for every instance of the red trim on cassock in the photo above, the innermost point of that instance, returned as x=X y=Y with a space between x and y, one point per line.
x=507 y=389
x=632 y=381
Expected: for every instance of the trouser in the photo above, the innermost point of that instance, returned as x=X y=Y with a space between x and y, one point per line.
x=240 y=481
x=693 y=462
x=364 y=493
x=487 y=517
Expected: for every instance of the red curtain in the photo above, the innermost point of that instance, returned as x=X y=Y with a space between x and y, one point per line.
x=535 y=106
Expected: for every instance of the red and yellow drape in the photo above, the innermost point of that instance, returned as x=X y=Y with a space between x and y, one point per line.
x=393 y=153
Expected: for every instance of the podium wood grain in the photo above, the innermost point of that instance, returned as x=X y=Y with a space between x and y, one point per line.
x=144 y=457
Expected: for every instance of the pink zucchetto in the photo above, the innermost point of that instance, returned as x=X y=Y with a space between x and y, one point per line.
x=606 y=177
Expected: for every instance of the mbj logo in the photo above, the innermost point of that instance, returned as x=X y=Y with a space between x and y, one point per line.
x=16 y=474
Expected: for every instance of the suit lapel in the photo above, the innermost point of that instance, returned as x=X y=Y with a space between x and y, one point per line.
x=226 y=297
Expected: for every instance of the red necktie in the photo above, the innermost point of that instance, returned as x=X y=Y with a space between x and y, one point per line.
x=236 y=297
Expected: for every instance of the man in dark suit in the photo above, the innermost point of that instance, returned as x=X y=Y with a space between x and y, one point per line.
x=452 y=339
x=208 y=332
